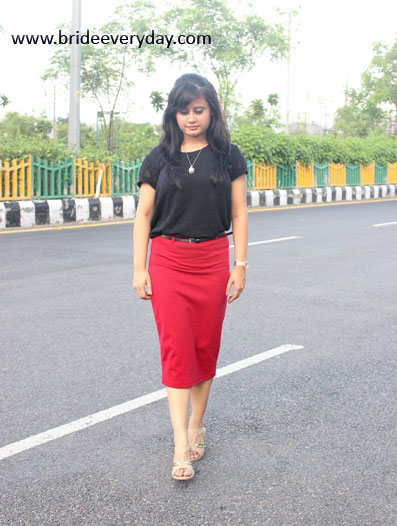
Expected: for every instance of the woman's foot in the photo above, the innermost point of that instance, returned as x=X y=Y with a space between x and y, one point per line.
x=196 y=437
x=182 y=457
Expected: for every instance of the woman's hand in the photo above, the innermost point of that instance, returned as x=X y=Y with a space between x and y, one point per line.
x=141 y=277
x=237 y=279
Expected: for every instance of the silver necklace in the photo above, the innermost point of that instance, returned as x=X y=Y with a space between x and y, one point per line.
x=191 y=169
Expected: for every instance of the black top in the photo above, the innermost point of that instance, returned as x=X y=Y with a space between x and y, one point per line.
x=198 y=209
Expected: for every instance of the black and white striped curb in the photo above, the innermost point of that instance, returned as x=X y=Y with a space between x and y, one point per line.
x=66 y=211
x=299 y=196
x=91 y=209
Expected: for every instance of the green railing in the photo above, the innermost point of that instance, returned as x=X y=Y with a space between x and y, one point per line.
x=125 y=177
x=286 y=176
x=251 y=173
x=352 y=174
x=54 y=180
x=321 y=174
x=380 y=174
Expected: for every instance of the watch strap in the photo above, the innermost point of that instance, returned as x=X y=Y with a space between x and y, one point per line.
x=243 y=264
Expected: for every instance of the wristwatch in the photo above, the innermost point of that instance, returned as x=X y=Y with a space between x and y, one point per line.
x=241 y=264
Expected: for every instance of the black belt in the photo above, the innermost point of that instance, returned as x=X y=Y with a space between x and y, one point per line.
x=196 y=239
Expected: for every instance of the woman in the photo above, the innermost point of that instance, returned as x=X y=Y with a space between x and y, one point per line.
x=192 y=185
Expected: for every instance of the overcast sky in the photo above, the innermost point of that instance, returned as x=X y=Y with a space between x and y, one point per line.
x=332 y=42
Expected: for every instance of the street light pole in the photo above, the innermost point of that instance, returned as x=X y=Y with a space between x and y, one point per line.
x=291 y=13
x=74 y=89
x=288 y=73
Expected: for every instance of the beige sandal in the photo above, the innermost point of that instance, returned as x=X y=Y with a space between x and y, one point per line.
x=197 y=446
x=183 y=464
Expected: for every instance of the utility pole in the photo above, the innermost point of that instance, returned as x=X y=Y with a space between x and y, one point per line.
x=288 y=73
x=291 y=13
x=54 y=117
x=74 y=90
x=346 y=89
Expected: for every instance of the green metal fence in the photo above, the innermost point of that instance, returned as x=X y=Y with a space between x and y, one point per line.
x=380 y=173
x=321 y=174
x=286 y=176
x=352 y=174
x=52 y=180
x=125 y=177
x=251 y=174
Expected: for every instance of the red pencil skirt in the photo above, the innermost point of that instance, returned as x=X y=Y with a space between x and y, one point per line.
x=189 y=303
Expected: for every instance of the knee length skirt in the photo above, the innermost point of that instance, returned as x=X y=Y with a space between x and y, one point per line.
x=189 y=303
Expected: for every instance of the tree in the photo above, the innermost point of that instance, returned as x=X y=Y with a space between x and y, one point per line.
x=258 y=113
x=136 y=139
x=87 y=133
x=380 y=79
x=366 y=108
x=3 y=99
x=234 y=47
x=14 y=125
x=358 y=117
x=104 y=67
x=157 y=100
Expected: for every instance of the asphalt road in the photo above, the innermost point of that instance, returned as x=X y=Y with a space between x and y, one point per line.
x=306 y=438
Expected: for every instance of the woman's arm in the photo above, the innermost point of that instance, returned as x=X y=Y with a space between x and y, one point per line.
x=239 y=218
x=141 y=232
x=240 y=235
x=141 y=240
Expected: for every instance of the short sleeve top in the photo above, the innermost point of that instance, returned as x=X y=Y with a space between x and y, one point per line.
x=199 y=208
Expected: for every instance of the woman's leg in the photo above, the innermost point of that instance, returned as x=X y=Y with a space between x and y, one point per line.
x=178 y=402
x=200 y=395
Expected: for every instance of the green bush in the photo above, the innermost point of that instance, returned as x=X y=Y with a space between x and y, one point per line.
x=22 y=146
x=265 y=145
x=255 y=142
x=134 y=142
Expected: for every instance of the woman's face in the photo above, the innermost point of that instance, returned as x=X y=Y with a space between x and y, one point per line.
x=194 y=120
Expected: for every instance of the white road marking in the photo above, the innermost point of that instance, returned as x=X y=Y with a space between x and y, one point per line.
x=384 y=224
x=272 y=240
x=257 y=358
x=106 y=414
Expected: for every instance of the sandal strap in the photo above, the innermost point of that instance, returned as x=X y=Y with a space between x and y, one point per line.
x=198 y=431
x=178 y=462
x=184 y=462
x=182 y=465
x=199 y=445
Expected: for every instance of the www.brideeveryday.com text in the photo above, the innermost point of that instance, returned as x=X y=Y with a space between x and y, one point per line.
x=88 y=38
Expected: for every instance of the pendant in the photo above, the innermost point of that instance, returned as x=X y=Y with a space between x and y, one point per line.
x=191 y=170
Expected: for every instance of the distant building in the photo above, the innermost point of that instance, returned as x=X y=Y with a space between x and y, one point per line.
x=310 y=129
x=390 y=125
x=315 y=129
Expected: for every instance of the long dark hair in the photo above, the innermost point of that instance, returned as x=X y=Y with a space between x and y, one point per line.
x=187 y=88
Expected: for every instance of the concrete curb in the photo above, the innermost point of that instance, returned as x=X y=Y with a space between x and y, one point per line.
x=298 y=196
x=65 y=211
